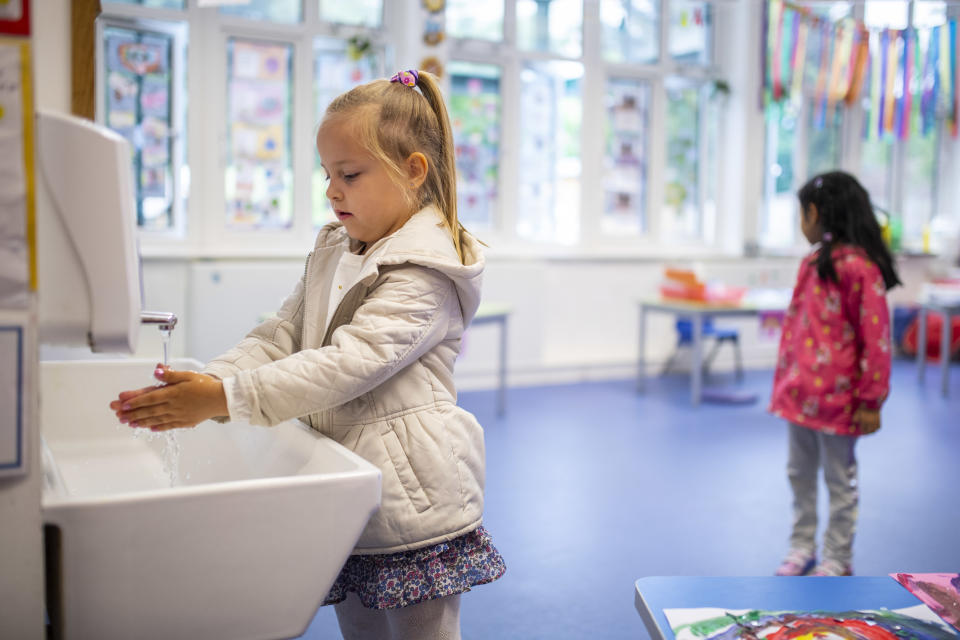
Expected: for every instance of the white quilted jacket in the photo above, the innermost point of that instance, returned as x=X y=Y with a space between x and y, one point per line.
x=379 y=379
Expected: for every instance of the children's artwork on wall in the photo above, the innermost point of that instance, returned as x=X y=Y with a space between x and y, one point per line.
x=433 y=33
x=939 y=591
x=912 y=623
x=16 y=175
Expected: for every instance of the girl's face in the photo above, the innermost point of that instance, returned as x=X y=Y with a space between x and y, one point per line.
x=362 y=194
x=810 y=223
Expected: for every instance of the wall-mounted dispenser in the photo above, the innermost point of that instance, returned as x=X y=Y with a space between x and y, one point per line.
x=88 y=265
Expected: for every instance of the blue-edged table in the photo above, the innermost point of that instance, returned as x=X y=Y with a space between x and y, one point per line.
x=654 y=594
x=697 y=312
x=499 y=314
x=947 y=311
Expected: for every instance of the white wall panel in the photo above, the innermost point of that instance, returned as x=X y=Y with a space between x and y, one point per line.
x=572 y=319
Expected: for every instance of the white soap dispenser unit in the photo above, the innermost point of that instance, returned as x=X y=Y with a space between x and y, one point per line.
x=88 y=270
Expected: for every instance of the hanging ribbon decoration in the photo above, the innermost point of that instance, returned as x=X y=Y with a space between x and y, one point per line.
x=776 y=19
x=955 y=107
x=799 y=59
x=836 y=60
x=889 y=92
x=791 y=20
x=858 y=65
x=876 y=74
x=820 y=97
x=840 y=80
x=931 y=80
x=906 y=99
x=882 y=103
x=943 y=89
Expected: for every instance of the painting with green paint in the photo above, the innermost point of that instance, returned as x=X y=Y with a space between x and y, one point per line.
x=913 y=623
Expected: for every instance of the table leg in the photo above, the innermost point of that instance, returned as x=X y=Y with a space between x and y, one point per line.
x=696 y=372
x=502 y=390
x=641 y=350
x=945 y=351
x=922 y=343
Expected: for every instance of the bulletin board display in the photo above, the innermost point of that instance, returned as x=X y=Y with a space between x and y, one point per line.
x=17 y=228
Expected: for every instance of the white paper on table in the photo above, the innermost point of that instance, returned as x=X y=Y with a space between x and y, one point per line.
x=678 y=618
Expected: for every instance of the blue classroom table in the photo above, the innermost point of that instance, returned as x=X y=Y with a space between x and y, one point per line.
x=654 y=594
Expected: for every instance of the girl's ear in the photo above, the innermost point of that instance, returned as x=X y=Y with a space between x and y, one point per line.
x=417 y=167
x=812 y=215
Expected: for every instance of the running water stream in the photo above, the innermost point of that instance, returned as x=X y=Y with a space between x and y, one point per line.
x=170 y=452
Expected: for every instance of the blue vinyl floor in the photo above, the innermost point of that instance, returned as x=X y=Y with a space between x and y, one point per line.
x=592 y=486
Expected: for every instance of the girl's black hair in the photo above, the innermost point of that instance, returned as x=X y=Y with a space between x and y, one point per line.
x=846 y=217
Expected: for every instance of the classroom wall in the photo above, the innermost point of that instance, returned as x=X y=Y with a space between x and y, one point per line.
x=573 y=319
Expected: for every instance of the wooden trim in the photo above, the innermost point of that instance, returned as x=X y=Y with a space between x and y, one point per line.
x=83 y=30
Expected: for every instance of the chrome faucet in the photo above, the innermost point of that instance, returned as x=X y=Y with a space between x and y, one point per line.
x=164 y=320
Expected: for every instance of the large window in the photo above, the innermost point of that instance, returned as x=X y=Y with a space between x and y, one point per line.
x=580 y=84
x=475 y=107
x=259 y=173
x=550 y=117
x=260 y=75
x=627 y=156
x=546 y=97
x=336 y=69
x=893 y=136
x=141 y=80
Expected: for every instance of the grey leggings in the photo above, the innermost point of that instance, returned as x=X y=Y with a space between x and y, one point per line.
x=437 y=619
x=809 y=450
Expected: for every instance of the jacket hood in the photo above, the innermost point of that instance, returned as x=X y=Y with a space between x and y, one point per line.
x=424 y=241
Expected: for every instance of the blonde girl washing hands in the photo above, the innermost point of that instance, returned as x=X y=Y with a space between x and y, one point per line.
x=363 y=351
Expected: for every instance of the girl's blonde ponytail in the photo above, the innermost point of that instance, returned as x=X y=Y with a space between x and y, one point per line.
x=447 y=172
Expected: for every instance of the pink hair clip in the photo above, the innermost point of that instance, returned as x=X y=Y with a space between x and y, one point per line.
x=408 y=77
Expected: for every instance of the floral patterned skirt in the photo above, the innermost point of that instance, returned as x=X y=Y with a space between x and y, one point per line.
x=393 y=580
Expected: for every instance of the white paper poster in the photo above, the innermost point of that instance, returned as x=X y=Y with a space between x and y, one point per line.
x=14 y=257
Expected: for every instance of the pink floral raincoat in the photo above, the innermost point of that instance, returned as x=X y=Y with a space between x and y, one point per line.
x=835 y=349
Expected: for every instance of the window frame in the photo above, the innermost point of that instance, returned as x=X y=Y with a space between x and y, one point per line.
x=202 y=230
x=510 y=57
x=852 y=152
x=179 y=35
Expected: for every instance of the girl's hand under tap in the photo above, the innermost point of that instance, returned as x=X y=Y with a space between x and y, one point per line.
x=186 y=399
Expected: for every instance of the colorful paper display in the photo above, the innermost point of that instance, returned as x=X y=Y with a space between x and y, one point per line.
x=835 y=62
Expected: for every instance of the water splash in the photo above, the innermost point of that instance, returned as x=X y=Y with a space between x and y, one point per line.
x=165 y=346
x=171 y=446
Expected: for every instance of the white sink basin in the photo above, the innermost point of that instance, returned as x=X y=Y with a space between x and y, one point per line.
x=241 y=537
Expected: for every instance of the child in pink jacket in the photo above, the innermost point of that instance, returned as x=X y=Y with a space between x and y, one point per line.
x=833 y=368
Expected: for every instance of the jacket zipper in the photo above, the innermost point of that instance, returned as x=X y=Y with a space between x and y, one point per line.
x=306 y=277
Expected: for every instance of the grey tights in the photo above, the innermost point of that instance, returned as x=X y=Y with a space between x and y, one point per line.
x=437 y=619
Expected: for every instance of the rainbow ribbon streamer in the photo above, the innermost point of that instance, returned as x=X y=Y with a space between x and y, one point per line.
x=788 y=51
x=889 y=109
x=821 y=91
x=799 y=60
x=955 y=108
x=776 y=19
x=931 y=81
x=876 y=105
x=858 y=66
x=905 y=101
